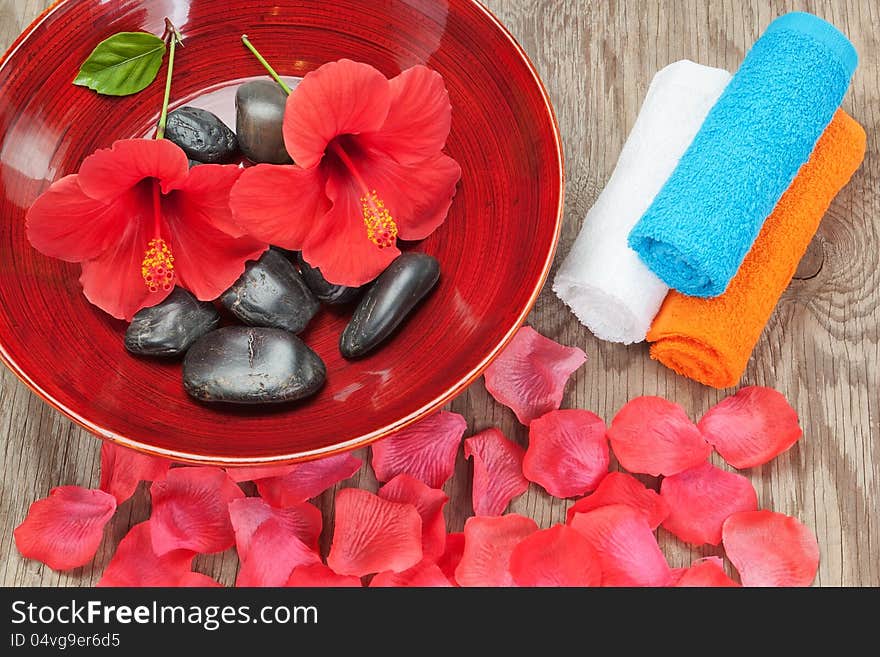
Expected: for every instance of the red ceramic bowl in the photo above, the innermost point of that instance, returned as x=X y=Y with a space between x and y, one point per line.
x=495 y=248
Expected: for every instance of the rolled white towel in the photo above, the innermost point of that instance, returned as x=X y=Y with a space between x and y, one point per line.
x=602 y=280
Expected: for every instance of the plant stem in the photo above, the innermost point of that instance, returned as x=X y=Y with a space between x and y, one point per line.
x=266 y=65
x=174 y=38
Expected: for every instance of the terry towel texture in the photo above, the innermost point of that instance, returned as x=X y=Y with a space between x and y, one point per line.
x=710 y=340
x=602 y=280
x=749 y=149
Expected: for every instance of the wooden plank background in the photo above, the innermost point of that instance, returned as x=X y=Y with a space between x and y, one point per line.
x=820 y=349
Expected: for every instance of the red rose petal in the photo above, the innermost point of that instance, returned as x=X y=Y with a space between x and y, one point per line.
x=651 y=435
x=771 y=549
x=621 y=488
x=707 y=572
x=257 y=472
x=701 y=499
x=626 y=547
x=373 y=535
x=425 y=450
x=429 y=502
x=190 y=510
x=319 y=575
x=198 y=580
x=451 y=557
x=422 y=575
x=303 y=520
x=488 y=544
x=136 y=564
x=752 y=427
x=498 y=476
x=122 y=469
x=307 y=480
x=273 y=553
x=65 y=529
x=558 y=556
x=568 y=452
x=529 y=376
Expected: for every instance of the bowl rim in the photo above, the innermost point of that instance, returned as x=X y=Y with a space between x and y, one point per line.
x=361 y=441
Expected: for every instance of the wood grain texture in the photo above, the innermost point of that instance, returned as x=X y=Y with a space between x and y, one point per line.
x=821 y=347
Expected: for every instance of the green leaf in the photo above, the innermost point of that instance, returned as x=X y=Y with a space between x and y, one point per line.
x=123 y=64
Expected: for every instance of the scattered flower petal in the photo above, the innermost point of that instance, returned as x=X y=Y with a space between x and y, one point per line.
x=751 y=427
x=429 y=502
x=136 y=564
x=488 y=544
x=568 y=452
x=421 y=575
x=65 y=529
x=701 y=499
x=771 y=549
x=651 y=435
x=257 y=472
x=451 y=557
x=558 y=556
x=626 y=547
x=273 y=553
x=373 y=535
x=529 y=376
x=122 y=469
x=621 y=488
x=707 y=572
x=307 y=480
x=198 y=580
x=190 y=510
x=317 y=575
x=425 y=450
x=498 y=475
x=303 y=520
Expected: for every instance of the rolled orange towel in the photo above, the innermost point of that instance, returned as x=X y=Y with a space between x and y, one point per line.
x=710 y=340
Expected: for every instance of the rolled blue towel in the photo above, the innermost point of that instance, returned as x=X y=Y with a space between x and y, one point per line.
x=703 y=221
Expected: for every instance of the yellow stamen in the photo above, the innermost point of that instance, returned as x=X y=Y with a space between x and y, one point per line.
x=157 y=267
x=381 y=229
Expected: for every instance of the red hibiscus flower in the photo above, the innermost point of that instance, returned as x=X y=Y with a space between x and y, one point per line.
x=140 y=222
x=369 y=169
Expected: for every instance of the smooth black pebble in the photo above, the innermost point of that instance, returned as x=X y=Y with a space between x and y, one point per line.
x=251 y=365
x=388 y=301
x=324 y=291
x=201 y=135
x=168 y=329
x=271 y=293
x=259 y=116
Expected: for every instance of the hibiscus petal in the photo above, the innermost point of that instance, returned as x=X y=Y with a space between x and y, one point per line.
x=338 y=244
x=771 y=549
x=701 y=499
x=558 y=556
x=273 y=553
x=190 y=510
x=198 y=580
x=529 y=376
x=257 y=472
x=419 y=117
x=621 y=488
x=65 y=529
x=52 y=231
x=307 y=480
x=751 y=427
x=111 y=172
x=135 y=563
x=429 y=502
x=627 y=550
x=707 y=572
x=651 y=435
x=568 y=452
x=279 y=204
x=488 y=544
x=122 y=469
x=303 y=520
x=319 y=575
x=205 y=192
x=373 y=535
x=425 y=450
x=421 y=575
x=338 y=98
x=498 y=474
x=451 y=557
